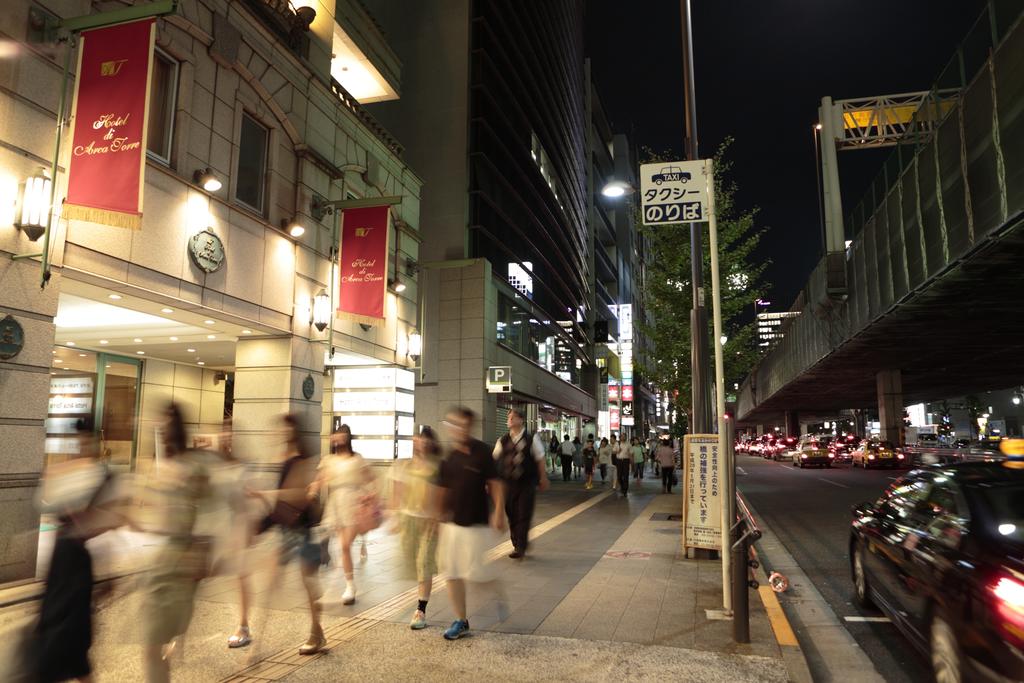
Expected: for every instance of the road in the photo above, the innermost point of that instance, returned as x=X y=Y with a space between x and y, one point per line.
x=809 y=511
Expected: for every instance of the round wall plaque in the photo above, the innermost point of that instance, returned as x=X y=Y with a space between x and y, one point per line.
x=206 y=251
x=308 y=387
x=12 y=338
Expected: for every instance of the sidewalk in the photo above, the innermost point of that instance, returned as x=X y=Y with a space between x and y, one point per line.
x=605 y=594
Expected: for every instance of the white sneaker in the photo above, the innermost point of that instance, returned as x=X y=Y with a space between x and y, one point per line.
x=349 y=596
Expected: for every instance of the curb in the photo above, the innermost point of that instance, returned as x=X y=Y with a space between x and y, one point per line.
x=792 y=654
x=807 y=604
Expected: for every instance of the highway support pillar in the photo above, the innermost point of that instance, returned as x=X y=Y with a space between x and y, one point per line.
x=889 y=384
x=792 y=423
x=760 y=430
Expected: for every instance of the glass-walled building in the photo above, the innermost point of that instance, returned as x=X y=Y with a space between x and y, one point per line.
x=493 y=115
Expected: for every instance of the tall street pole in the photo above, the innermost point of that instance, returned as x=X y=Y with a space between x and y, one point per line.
x=699 y=366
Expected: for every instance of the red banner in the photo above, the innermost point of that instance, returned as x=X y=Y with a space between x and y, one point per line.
x=108 y=123
x=363 y=263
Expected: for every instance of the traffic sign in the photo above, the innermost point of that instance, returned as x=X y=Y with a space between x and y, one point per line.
x=499 y=379
x=674 y=191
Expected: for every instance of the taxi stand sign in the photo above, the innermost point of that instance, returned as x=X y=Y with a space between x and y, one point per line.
x=675 y=191
x=499 y=379
x=702 y=491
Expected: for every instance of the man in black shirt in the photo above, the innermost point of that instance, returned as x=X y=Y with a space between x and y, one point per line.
x=466 y=476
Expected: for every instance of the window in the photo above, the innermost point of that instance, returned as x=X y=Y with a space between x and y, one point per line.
x=163 y=93
x=252 y=163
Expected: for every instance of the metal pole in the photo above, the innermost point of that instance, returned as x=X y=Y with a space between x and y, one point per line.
x=741 y=608
x=698 y=318
x=728 y=492
x=44 y=273
x=817 y=177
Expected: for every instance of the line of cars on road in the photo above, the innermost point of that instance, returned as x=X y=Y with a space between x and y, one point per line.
x=825 y=450
x=941 y=553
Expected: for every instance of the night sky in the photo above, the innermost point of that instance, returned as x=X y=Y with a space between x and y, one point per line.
x=762 y=67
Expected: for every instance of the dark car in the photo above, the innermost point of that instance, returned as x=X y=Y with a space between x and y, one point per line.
x=941 y=553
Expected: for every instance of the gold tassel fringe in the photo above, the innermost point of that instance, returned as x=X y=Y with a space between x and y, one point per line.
x=117 y=219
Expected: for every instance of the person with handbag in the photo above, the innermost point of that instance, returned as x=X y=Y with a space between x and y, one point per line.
x=414 y=500
x=295 y=511
x=352 y=506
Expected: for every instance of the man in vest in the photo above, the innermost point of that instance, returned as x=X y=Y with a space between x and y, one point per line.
x=520 y=460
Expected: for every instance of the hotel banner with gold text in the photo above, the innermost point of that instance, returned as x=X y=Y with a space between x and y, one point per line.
x=363 y=264
x=108 y=123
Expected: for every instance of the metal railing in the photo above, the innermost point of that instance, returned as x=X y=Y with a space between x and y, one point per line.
x=744 y=533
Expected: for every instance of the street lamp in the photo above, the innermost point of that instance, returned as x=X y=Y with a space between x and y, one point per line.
x=615 y=189
x=321 y=315
x=35 y=209
x=415 y=345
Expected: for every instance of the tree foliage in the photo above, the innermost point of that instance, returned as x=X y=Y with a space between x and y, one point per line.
x=669 y=299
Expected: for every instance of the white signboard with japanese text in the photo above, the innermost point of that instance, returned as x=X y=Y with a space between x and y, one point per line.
x=674 y=191
x=702 y=492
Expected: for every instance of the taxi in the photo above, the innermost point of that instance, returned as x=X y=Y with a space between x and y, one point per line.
x=879 y=454
x=812 y=452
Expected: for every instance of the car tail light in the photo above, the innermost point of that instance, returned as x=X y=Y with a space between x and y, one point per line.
x=899 y=455
x=1009 y=595
x=831 y=455
x=871 y=457
x=803 y=455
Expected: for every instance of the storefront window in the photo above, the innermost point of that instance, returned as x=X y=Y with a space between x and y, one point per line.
x=99 y=391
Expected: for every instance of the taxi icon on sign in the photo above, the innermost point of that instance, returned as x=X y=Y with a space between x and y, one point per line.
x=670 y=174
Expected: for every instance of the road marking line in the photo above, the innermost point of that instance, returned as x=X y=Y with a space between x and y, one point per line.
x=870 y=620
x=285 y=663
x=893 y=478
x=741 y=471
x=834 y=483
x=777 y=618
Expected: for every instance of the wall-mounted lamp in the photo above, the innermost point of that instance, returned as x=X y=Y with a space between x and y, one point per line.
x=205 y=178
x=396 y=285
x=35 y=205
x=412 y=266
x=365 y=327
x=321 y=312
x=415 y=345
x=293 y=227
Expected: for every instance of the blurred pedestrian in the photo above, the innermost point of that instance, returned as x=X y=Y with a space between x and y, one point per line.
x=84 y=496
x=348 y=481
x=667 y=461
x=565 y=452
x=296 y=510
x=414 y=498
x=520 y=459
x=553 y=454
x=577 y=457
x=638 y=459
x=604 y=458
x=196 y=514
x=613 y=454
x=589 y=459
x=623 y=466
x=468 y=475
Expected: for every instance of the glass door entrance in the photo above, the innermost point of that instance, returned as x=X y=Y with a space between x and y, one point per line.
x=99 y=391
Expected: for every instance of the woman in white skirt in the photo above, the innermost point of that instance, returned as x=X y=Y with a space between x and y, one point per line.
x=346 y=476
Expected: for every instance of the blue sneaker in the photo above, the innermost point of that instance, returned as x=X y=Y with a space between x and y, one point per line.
x=459 y=628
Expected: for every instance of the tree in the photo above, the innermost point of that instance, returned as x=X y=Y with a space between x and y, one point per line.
x=668 y=294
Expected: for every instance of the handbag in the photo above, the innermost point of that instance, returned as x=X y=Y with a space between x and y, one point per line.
x=369 y=515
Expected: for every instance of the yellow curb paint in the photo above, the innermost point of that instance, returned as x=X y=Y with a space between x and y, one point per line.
x=780 y=624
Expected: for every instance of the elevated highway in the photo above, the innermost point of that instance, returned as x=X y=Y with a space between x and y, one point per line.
x=927 y=301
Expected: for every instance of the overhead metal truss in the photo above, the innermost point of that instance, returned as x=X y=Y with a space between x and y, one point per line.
x=886 y=120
